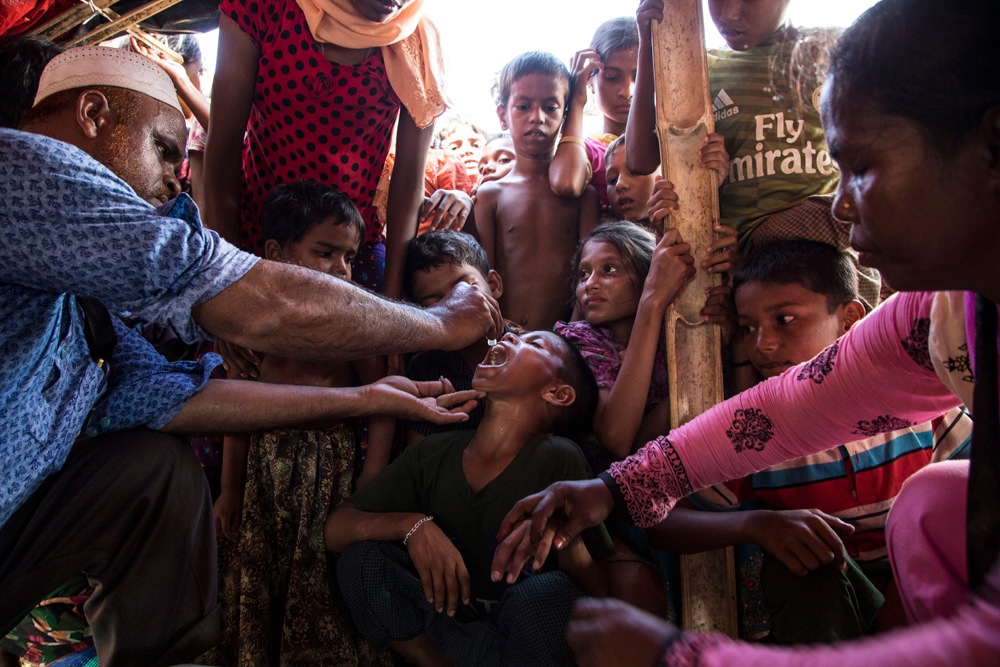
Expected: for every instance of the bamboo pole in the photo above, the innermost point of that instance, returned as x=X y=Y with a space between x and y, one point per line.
x=694 y=363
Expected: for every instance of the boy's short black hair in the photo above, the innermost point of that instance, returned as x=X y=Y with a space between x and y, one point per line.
x=433 y=249
x=818 y=267
x=22 y=60
x=532 y=62
x=574 y=421
x=293 y=208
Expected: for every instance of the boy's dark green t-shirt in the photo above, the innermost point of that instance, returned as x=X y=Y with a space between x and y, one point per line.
x=778 y=151
x=428 y=478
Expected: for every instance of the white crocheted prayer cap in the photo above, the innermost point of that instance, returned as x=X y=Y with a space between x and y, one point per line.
x=86 y=66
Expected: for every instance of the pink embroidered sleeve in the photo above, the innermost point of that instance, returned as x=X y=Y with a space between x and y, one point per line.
x=877 y=378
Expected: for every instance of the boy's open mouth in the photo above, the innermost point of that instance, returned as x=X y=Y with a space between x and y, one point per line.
x=497 y=356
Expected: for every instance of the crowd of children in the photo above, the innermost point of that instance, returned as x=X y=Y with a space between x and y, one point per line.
x=341 y=543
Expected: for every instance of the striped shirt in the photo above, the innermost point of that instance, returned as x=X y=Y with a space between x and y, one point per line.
x=858 y=481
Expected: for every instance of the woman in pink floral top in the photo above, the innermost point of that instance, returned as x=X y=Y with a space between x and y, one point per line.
x=919 y=153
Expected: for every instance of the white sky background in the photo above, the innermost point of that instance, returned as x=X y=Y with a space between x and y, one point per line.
x=481 y=35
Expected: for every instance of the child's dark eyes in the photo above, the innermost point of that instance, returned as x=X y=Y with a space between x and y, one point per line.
x=785 y=319
x=505 y=160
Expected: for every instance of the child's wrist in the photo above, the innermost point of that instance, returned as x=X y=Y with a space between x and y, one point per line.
x=417 y=525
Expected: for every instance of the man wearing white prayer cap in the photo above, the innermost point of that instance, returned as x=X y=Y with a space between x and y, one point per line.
x=87 y=483
x=121 y=109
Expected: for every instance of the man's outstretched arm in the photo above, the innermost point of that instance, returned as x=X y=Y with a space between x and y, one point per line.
x=238 y=406
x=295 y=312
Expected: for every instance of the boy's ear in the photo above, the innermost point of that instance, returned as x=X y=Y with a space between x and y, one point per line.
x=93 y=113
x=502 y=115
x=272 y=250
x=496 y=284
x=560 y=395
x=851 y=312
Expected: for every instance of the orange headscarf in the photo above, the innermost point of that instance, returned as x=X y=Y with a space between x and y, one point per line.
x=410 y=45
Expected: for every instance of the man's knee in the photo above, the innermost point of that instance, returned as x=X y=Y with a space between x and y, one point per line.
x=382 y=592
x=533 y=617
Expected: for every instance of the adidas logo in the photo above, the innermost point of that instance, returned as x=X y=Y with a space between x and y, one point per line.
x=724 y=106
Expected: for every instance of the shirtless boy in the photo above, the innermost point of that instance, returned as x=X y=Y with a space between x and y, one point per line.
x=528 y=232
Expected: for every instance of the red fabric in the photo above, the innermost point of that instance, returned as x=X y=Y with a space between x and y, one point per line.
x=19 y=16
x=445 y=171
x=595 y=153
x=311 y=119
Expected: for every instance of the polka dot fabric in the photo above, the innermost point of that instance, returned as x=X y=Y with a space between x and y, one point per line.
x=311 y=118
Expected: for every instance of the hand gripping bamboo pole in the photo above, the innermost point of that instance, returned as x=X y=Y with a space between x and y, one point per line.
x=694 y=362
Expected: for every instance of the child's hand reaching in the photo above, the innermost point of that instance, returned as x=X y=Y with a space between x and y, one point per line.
x=714 y=155
x=239 y=362
x=662 y=201
x=446 y=209
x=649 y=10
x=584 y=66
x=724 y=253
x=174 y=69
x=720 y=309
x=803 y=540
x=671 y=269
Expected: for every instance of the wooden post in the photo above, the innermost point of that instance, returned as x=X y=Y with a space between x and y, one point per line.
x=694 y=361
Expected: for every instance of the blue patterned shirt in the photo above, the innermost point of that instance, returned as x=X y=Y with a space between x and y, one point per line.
x=70 y=226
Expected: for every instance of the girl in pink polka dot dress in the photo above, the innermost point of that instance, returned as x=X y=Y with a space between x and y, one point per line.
x=312 y=90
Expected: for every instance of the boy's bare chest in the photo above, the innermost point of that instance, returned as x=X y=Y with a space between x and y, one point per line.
x=533 y=208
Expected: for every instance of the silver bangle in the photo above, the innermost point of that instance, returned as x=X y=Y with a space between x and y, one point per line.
x=416 y=527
